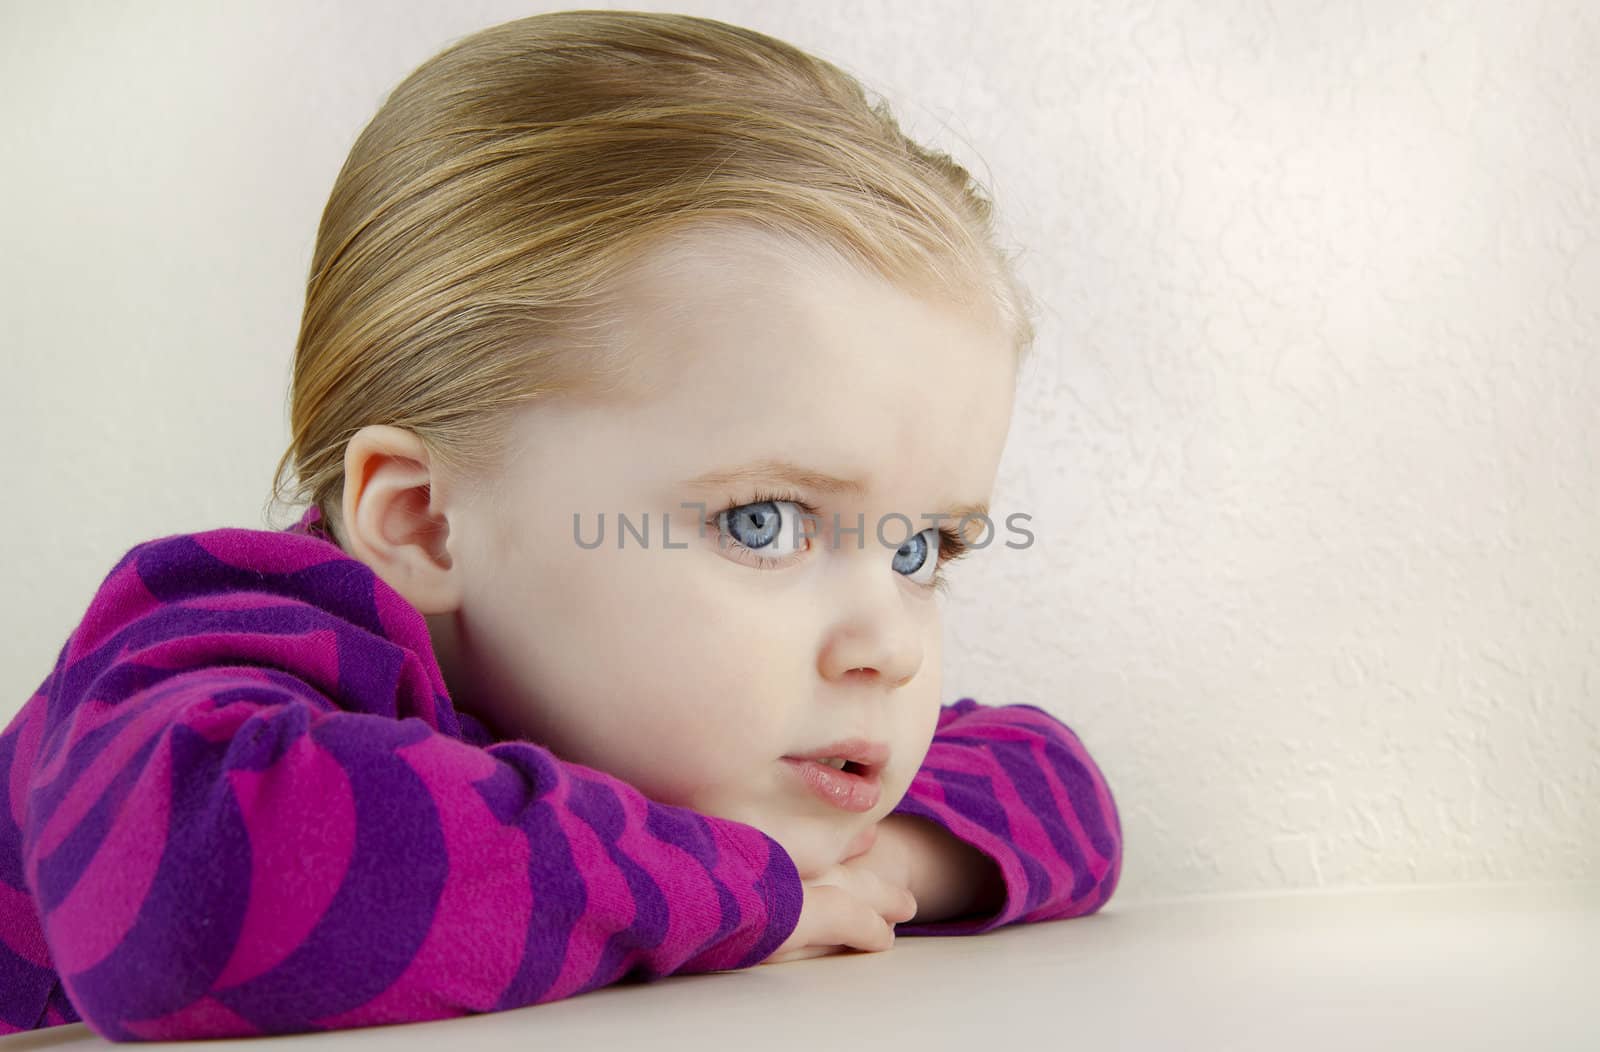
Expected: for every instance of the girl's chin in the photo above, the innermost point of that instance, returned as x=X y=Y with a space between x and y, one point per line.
x=815 y=859
x=862 y=842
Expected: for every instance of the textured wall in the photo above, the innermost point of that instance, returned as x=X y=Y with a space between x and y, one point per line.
x=1309 y=450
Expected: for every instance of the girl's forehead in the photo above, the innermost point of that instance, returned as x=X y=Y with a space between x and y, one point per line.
x=690 y=318
x=734 y=349
x=918 y=410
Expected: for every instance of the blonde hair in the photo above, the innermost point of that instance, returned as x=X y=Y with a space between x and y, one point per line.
x=468 y=259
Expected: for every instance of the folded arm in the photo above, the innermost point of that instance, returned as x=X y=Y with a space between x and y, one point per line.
x=1011 y=821
x=226 y=853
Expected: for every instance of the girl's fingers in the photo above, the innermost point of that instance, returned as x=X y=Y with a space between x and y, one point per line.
x=893 y=903
x=847 y=908
x=854 y=922
x=801 y=954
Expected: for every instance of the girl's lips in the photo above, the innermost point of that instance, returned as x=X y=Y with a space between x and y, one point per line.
x=859 y=751
x=857 y=793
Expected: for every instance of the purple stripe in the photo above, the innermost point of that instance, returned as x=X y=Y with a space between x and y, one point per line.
x=90 y=675
x=191 y=916
x=560 y=900
x=265 y=736
x=59 y=871
x=371 y=673
x=688 y=830
x=1102 y=827
x=972 y=796
x=10 y=833
x=385 y=905
x=1018 y=762
x=181 y=568
x=26 y=986
x=61 y=1008
x=597 y=805
x=45 y=800
x=516 y=795
x=779 y=874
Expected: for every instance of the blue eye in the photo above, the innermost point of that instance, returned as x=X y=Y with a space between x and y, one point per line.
x=771 y=531
x=766 y=526
x=912 y=555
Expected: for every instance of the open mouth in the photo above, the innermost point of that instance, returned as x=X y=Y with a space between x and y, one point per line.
x=853 y=786
x=847 y=766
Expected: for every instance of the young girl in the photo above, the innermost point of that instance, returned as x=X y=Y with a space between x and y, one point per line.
x=648 y=379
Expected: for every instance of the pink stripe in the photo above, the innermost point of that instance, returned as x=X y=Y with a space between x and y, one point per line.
x=1027 y=715
x=200 y=1019
x=101 y=908
x=1027 y=832
x=671 y=867
x=23 y=759
x=221 y=725
x=1098 y=864
x=1017 y=723
x=1029 y=835
x=85 y=717
x=610 y=905
x=28 y=943
x=237 y=601
x=947 y=716
x=754 y=909
x=243 y=549
x=1037 y=841
x=404 y=624
x=998 y=725
x=91 y=783
x=314 y=656
x=475 y=945
x=296 y=863
x=1056 y=731
x=88 y=716
x=1063 y=800
x=120 y=600
x=91 y=715
x=929 y=793
x=1053 y=731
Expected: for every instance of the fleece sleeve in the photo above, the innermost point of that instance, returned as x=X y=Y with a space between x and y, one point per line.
x=1018 y=785
x=224 y=853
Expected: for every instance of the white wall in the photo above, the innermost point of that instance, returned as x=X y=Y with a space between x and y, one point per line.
x=1310 y=450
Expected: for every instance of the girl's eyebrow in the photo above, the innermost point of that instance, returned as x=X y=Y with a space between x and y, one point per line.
x=777 y=470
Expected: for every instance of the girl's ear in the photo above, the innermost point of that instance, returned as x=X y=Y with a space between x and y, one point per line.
x=393 y=518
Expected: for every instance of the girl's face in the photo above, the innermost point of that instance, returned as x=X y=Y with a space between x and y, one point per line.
x=669 y=655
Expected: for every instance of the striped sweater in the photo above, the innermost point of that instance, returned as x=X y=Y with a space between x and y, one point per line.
x=242 y=803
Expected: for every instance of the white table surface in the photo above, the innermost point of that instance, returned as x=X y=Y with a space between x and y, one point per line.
x=1513 y=966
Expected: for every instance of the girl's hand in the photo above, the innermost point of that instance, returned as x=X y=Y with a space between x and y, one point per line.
x=854 y=903
x=947 y=877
